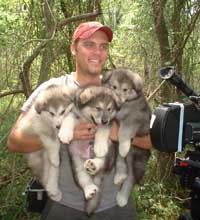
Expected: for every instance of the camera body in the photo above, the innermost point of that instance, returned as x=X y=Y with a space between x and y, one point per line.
x=174 y=125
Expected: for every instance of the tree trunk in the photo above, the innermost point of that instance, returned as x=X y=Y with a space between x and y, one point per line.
x=161 y=31
x=47 y=53
x=165 y=56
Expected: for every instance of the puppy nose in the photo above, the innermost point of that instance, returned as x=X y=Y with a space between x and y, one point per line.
x=58 y=126
x=118 y=108
x=104 y=121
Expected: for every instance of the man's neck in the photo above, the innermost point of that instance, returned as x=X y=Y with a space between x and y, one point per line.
x=87 y=79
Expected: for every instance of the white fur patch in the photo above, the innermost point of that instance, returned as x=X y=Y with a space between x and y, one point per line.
x=66 y=131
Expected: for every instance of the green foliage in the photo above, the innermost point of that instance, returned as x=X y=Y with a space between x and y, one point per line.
x=156 y=201
x=22 y=28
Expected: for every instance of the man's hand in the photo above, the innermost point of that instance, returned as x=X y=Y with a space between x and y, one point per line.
x=84 y=131
x=114 y=131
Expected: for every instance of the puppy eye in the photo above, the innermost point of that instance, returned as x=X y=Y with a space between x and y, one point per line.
x=125 y=90
x=62 y=112
x=52 y=114
x=109 y=109
x=98 y=108
x=114 y=87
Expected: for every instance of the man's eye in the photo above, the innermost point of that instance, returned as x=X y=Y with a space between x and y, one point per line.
x=89 y=44
x=104 y=47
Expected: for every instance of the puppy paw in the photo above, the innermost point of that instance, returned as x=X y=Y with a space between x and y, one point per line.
x=65 y=136
x=90 y=191
x=54 y=193
x=56 y=197
x=119 y=178
x=91 y=167
x=121 y=199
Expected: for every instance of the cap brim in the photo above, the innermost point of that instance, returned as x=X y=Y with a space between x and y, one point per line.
x=105 y=29
x=108 y=32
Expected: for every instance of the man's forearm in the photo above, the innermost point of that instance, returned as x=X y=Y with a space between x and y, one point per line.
x=143 y=141
x=20 y=142
x=23 y=144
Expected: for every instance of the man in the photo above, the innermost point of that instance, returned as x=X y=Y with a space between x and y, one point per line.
x=89 y=47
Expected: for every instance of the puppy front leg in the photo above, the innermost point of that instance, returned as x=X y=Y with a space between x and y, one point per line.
x=66 y=131
x=52 y=184
x=126 y=188
x=101 y=141
x=121 y=170
x=125 y=135
x=53 y=148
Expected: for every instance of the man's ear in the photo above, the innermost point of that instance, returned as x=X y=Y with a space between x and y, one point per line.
x=73 y=49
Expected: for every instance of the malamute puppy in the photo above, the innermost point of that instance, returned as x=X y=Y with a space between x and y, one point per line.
x=93 y=104
x=43 y=120
x=133 y=119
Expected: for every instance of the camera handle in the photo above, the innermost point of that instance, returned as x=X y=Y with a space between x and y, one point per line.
x=194 y=213
x=169 y=73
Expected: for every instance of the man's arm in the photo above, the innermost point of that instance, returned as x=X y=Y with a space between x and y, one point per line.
x=142 y=142
x=20 y=142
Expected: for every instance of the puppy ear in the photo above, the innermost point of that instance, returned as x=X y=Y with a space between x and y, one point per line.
x=88 y=93
x=106 y=76
x=117 y=100
x=136 y=79
x=77 y=99
x=69 y=94
x=40 y=106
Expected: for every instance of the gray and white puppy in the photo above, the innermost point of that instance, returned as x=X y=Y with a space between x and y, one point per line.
x=43 y=120
x=133 y=119
x=96 y=105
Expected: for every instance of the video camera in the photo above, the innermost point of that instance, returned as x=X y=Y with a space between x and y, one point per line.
x=175 y=125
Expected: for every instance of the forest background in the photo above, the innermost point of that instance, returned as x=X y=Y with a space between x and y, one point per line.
x=34 y=46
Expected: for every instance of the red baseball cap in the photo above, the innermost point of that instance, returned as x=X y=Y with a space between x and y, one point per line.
x=85 y=30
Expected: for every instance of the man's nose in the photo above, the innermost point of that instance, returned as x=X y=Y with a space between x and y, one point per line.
x=97 y=49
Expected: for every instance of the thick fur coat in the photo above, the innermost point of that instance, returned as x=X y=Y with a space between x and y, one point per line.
x=96 y=105
x=133 y=119
x=43 y=120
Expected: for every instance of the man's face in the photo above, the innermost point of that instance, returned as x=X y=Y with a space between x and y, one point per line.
x=91 y=53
